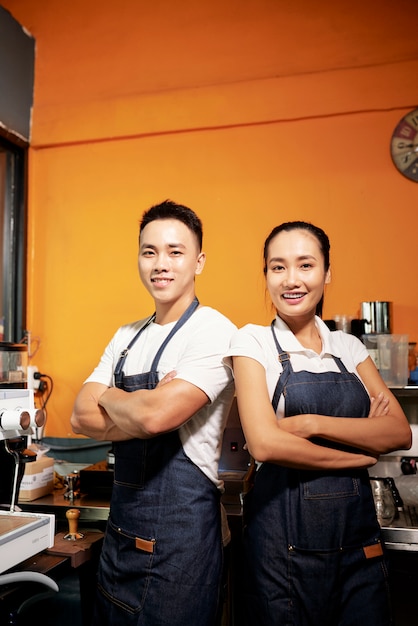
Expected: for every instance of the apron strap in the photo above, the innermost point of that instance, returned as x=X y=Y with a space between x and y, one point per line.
x=124 y=353
x=284 y=359
x=340 y=364
x=183 y=319
x=186 y=315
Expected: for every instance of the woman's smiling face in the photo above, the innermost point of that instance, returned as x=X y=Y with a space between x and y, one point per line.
x=296 y=273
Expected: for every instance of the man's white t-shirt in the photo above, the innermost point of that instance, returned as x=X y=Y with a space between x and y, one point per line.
x=196 y=353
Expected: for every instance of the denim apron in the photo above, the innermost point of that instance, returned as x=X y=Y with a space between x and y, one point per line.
x=162 y=556
x=311 y=537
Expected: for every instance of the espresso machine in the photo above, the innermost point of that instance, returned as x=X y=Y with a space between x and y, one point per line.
x=21 y=534
x=19 y=420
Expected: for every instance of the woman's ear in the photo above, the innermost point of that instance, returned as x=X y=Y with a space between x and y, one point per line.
x=328 y=277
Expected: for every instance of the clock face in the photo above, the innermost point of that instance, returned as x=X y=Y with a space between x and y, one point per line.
x=404 y=146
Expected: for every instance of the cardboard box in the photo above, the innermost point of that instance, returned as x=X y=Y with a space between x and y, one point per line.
x=38 y=479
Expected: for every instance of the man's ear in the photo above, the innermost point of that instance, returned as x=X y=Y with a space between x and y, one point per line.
x=200 y=263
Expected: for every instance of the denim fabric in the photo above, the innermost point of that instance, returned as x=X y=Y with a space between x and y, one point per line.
x=161 y=561
x=305 y=531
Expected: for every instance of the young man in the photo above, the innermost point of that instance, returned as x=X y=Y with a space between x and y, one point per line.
x=162 y=394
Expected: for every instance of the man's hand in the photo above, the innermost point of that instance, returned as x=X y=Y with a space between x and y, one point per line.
x=379 y=406
x=299 y=425
x=167 y=378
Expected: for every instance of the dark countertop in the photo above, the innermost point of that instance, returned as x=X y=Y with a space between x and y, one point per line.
x=92 y=509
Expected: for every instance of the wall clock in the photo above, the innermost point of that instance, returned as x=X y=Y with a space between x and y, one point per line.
x=404 y=146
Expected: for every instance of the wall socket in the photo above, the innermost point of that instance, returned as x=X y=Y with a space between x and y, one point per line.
x=32 y=382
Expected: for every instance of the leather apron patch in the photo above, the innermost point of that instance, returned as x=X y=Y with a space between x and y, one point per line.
x=370 y=552
x=144 y=544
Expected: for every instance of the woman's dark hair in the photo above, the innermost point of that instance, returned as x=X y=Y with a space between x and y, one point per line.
x=317 y=232
x=171 y=210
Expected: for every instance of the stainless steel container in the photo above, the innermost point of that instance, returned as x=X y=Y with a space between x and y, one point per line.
x=377 y=317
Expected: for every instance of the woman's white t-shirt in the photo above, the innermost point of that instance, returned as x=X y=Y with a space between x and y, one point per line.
x=257 y=342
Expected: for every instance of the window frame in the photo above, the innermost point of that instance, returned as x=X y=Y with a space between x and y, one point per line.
x=14 y=216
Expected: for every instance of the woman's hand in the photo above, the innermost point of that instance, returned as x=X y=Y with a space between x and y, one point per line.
x=379 y=405
x=305 y=425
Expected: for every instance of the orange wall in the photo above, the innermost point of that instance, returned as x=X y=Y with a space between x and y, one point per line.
x=245 y=156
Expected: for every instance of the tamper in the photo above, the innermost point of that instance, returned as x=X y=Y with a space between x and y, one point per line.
x=72 y=516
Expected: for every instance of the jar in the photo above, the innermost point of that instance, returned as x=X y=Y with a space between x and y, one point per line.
x=383 y=501
x=13 y=365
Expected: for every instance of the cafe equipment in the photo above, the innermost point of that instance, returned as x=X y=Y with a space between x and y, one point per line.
x=97 y=479
x=412 y=355
x=377 y=316
x=13 y=365
x=236 y=467
x=393 y=359
x=73 y=534
x=413 y=376
x=21 y=534
x=343 y=322
x=18 y=420
x=413 y=363
x=389 y=353
x=358 y=327
x=72 y=482
x=384 y=499
x=400 y=534
x=408 y=466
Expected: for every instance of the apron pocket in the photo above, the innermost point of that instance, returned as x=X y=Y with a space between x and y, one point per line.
x=130 y=463
x=126 y=568
x=324 y=486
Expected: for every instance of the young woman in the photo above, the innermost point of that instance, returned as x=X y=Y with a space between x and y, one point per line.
x=313 y=546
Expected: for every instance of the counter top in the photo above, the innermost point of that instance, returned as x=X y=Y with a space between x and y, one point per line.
x=402 y=533
x=92 y=509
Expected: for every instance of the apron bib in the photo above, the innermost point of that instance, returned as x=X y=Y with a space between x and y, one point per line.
x=316 y=497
